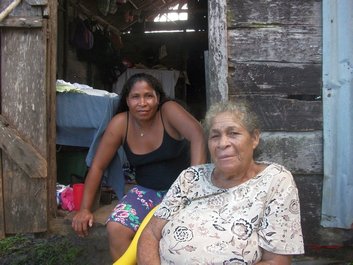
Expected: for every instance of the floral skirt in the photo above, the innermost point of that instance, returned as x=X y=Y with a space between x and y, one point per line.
x=135 y=205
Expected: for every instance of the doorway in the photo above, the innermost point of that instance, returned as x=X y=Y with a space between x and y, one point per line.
x=129 y=40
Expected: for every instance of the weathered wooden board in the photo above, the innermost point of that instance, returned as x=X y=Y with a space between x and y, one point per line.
x=37 y=2
x=51 y=66
x=274 y=78
x=24 y=104
x=310 y=195
x=23 y=97
x=292 y=12
x=22 y=22
x=22 y=153
x=2 y=213
x=295 y=44
x=25 y=201
x=23 y=9
x=283 y=114
x=217 y=89
x=301 y=153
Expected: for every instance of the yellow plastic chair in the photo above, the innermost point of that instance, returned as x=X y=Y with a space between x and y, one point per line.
x=129 y=257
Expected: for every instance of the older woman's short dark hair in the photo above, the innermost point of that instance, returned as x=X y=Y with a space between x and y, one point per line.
x=241 y=111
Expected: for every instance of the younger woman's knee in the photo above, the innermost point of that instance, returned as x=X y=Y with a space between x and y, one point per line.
x=114 y=229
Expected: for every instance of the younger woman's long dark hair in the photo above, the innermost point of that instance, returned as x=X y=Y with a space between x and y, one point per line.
x=150 y=80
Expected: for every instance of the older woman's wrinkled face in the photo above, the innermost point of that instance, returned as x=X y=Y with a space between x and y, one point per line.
x=230 y=144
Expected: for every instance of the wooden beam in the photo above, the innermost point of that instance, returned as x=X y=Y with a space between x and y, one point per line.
x=133 y=4
x=22 y=153
x=270 y=78
x=2 y=210
x=37 y=2
x=95 y=17
x=9 y=9
x=51 y=106
x=301 y=152
x=218 y=52
x=22 y=22
x=279 y=113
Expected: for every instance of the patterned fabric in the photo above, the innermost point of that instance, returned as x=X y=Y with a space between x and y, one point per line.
x=135 y=205
x=209 y=225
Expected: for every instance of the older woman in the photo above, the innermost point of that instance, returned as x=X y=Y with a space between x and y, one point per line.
x=160 y=139
x=233 y=211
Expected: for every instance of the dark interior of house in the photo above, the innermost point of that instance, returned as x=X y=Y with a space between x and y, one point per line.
x=99 y=40
x=101 y=43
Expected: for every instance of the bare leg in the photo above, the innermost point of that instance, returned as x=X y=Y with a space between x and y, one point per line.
x=120 y=238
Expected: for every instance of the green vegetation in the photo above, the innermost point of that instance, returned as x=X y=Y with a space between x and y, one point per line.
x=28 y=250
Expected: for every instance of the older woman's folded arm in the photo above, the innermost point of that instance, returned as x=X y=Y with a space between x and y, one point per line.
x=148 y=244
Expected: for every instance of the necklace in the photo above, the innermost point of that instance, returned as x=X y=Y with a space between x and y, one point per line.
x=141 y=132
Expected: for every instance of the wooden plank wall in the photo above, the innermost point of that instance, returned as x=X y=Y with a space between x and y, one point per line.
x=274 y=61
x=216 y=66
x=50 y=90
x=2 y=212
x=24 y=106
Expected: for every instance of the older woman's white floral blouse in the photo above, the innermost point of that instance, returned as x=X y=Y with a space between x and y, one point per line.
x=209 y=225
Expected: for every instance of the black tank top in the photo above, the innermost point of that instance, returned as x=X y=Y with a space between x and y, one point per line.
x=159 y=168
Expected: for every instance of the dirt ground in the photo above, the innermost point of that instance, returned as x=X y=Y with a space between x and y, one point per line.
x=55 y=250
x=60 y=246
x=93 y=250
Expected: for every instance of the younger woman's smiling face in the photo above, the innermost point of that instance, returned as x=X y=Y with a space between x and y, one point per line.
x=142 y=100
x=231 y=145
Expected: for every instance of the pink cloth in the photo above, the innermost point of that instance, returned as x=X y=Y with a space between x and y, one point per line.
x=67 y=199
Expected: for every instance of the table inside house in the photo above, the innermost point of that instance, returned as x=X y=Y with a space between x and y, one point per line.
x=81 y=120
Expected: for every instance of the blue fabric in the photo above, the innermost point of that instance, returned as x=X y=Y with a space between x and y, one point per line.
x=81 y=120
